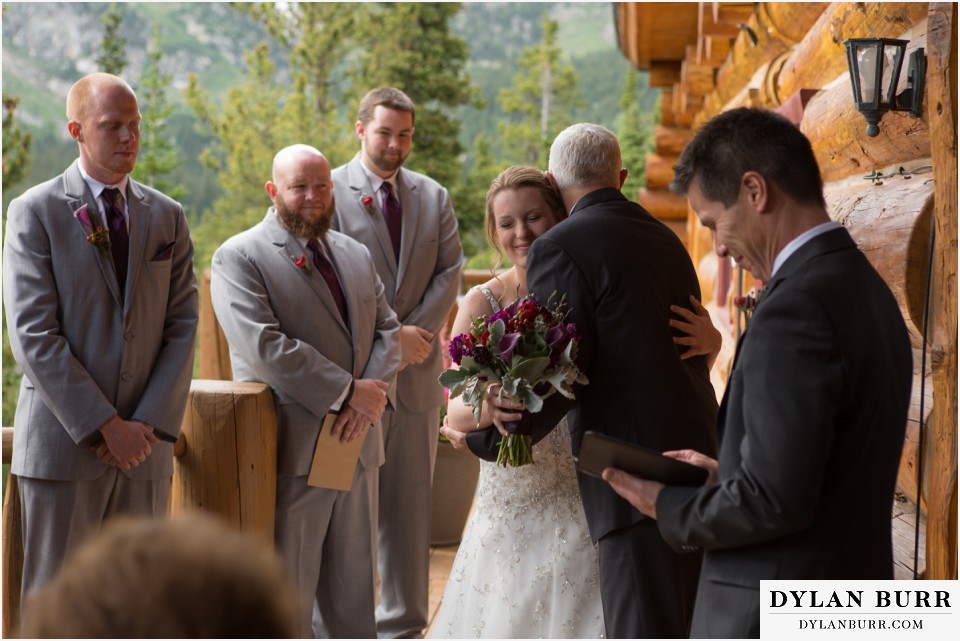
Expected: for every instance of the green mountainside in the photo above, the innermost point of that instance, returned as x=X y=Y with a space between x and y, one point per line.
x=46 y=46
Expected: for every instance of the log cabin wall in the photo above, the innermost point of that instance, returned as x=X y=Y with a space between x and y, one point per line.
x=711 y=56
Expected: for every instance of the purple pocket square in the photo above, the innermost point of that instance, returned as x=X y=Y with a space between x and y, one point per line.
x=164 y=254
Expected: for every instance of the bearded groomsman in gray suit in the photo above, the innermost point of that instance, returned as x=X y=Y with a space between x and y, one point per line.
x=305 y=312
x=101 y=303
x=406 y=220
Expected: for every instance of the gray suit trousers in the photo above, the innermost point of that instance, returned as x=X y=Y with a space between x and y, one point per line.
x=60 y=515
x=324 y=537
x=410 y=445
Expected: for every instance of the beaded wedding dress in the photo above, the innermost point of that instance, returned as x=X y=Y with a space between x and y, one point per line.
x=526 y=567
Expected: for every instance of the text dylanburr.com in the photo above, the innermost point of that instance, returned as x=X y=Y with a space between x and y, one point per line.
x=858 y=609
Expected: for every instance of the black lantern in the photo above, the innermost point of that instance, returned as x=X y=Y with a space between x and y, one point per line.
x=874 y=73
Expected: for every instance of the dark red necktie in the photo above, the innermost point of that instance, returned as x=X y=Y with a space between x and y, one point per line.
x=392 y=216
x=119 y=239
x=325 y=267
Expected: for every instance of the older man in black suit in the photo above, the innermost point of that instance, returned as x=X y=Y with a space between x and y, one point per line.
x=621 y=270
x=814 y=413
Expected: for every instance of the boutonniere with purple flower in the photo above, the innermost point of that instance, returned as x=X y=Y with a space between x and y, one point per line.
x=302 y=263
x=367 y=201
x=97 y=234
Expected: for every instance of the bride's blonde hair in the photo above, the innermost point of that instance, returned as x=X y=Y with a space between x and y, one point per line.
x=519 y=177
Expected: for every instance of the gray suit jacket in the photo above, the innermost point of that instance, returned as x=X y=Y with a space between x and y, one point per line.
x=86 y=352
x=423 y=287
x=284 y=329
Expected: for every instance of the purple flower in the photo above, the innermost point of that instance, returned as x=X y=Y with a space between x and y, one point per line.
x=481 y=354
x=84 y=218
x=508 y=343
x=557 y=337
x=461 y=346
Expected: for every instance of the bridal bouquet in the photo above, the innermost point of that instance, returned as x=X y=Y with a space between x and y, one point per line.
x=529 y=350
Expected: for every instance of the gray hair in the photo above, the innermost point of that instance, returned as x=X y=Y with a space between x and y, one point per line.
x=585 y=155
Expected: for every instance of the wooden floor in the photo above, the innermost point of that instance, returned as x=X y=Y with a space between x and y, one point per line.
x=441 y=561
x=904 y=530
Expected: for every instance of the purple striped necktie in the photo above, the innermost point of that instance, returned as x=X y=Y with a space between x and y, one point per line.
x=325 y=267
x=119 y=238
x=392 y=215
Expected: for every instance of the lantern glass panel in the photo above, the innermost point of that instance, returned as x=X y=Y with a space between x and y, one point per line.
x=893 y=55
x=867 y=70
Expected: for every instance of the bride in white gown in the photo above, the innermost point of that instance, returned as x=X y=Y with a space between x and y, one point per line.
x=526 y=567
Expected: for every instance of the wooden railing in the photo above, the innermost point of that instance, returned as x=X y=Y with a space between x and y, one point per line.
x=225 y=462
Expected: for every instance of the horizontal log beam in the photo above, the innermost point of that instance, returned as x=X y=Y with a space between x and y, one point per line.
x=709 y=26
x=664 y=73
x=820 y=57
x=663 y=205
x=735 y=13
x=897 y=242
x=776 y=27
x=696 y=79
x=715 y=50
x=837 y=132
x=670 y=141
x=659 y=171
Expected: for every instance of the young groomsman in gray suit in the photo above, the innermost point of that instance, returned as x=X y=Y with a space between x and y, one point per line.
x=813 y=417
x=101 y=304
x=305 y=312
x=406 y=220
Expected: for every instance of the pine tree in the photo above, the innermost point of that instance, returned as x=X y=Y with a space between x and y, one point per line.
x=268 y=113
x=541 y=100
x=113 y=54
x=158 y=154
x=245 y=137
x=635 y=135
x=16 y=144
x=409 y=46
x=470 y=196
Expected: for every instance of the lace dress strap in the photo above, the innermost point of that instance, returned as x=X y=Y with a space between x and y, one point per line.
x=490 y=298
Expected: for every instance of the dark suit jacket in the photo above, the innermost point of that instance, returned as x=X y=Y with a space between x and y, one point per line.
x=812 y=425
x=620 y=270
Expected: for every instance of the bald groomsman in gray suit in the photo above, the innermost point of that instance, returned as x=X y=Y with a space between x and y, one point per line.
x=101 y=304
x=305 y=312
x=406 y=220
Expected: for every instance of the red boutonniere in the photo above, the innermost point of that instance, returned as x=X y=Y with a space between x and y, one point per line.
x=97 y=234
x=302 y=263
x=748 y=303
x=367 y=201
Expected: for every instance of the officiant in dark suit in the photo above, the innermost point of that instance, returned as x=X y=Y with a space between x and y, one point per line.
x=813 y=418
x=620 y=270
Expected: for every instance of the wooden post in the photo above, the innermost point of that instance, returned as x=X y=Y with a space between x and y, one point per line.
x=214 y=351
x=12 y=554
x=228 y=464
x=942 y=468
